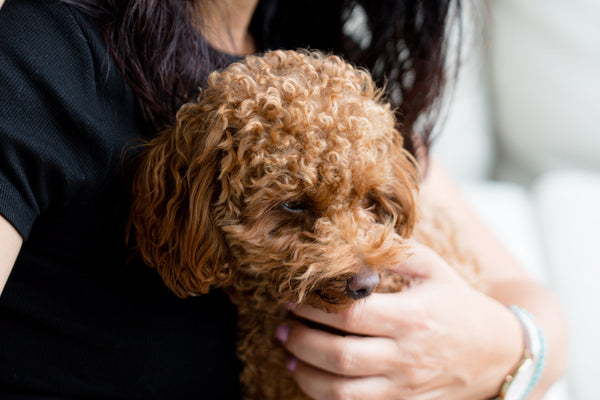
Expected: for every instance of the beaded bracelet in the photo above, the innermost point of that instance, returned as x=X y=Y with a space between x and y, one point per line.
x=519 y=384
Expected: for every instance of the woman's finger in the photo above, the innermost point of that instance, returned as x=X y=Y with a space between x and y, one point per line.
x=342 y=355
x=385 y=314
x=422 y=263
x=369 y=317
x=321 y=385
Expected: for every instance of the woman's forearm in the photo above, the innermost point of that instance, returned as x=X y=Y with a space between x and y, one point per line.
x=504 y=278
x=10 y=244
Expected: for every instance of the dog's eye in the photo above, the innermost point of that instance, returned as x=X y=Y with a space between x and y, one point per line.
x=295 y=206
x=369 y=203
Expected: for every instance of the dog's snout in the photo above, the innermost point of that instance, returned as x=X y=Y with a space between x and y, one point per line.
x=362 y=285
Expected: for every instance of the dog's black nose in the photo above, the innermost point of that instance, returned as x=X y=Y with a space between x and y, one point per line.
x=363 y=284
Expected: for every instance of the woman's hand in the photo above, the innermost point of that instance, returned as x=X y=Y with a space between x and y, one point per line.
x=437 y=339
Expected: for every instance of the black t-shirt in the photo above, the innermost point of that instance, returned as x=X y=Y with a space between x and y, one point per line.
x=80 y=317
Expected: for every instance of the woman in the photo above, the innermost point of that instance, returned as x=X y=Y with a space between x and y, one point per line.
x=82 y=81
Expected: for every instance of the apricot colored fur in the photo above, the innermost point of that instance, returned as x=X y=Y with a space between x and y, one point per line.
x=285 y=179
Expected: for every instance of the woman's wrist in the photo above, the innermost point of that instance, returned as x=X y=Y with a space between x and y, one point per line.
x=506 y=347
x=519 y=383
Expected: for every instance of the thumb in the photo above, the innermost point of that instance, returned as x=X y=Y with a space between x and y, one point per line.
x=422 y=262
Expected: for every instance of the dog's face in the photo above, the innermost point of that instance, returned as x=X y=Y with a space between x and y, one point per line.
x=295 y=178
x=317 y=215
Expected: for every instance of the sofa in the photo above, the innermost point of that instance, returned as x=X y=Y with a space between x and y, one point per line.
x=522 y=137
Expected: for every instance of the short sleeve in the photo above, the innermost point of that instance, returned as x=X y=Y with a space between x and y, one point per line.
x=52 y=122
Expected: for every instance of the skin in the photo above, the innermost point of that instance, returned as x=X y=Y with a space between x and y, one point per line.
x=405 y=357
x=231 y=37
x=11 y=244
x=406 y=339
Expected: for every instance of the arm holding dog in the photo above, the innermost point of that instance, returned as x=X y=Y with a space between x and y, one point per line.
x=506 y=280
x=439 y=321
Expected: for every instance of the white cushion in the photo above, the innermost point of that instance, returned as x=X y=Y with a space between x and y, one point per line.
x=569 y=213
x=545 y=75
x=464 y=141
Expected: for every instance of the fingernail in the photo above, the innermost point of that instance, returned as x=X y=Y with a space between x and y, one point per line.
x=282 y=333
x=291 y=306
x=292 y=363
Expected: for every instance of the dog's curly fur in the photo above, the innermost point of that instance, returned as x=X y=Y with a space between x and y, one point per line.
x=282 y=184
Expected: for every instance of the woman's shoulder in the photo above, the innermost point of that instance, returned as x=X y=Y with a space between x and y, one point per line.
x=33 y=23
x=46 y=45
x=65 y=109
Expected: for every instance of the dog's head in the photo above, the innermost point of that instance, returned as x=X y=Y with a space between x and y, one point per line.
x=287 y=173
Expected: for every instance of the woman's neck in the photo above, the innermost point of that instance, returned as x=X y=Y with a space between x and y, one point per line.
x=225 y=25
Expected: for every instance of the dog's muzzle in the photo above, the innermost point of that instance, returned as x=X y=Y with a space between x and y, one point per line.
x=362 y=284
x=341 y=292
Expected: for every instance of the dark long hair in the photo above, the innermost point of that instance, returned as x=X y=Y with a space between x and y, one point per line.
x=157 y=48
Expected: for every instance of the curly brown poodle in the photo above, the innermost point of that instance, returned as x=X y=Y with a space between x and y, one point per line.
x=286 y=182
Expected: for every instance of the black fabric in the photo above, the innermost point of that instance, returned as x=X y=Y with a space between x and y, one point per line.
x=276 y=24
x=80 y=318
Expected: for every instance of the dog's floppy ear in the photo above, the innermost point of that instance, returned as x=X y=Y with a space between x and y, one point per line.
x=171 y=216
